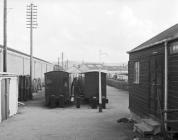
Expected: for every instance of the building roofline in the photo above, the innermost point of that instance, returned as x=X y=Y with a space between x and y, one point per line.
x=153 y=44
x=96 y=70
x=22 y=53
x=57 y=71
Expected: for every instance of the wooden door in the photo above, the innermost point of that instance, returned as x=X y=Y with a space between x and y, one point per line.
x=5 y=98
x=156 y=84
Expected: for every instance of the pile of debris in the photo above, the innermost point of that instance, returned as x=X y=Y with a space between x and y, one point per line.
x=147 y=129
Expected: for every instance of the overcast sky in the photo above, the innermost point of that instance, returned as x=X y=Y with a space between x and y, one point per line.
x=80 y=28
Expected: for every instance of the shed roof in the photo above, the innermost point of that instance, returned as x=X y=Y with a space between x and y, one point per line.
x=171 y=32
x=22 y=53
x=7 y=74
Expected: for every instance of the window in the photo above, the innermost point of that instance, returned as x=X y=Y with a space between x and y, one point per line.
x=174 y=48
x=136 y=72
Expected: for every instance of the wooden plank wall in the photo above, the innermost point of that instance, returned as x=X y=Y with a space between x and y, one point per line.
x=173 y=87
x=139 y=93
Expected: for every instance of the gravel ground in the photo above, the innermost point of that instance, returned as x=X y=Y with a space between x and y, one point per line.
x=37 y=122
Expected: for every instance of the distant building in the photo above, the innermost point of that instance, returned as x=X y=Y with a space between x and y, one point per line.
x=117 y=72
x=90 y=66
x=57 y=68
x=74 y=71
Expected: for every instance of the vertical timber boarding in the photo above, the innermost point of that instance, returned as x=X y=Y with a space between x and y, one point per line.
x=154 y=51
x=156 y=84
x=138 y=93
x=173 y=84
x=142 y=96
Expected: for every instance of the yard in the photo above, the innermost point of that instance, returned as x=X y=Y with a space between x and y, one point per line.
x=37 y=122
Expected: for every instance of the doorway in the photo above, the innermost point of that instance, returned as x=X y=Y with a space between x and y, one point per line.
x=156 y=84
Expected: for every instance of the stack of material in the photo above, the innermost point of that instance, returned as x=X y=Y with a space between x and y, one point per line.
x=24 y=88
x=148 y=127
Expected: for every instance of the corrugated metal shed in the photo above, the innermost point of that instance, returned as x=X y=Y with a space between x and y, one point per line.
x=9 y=98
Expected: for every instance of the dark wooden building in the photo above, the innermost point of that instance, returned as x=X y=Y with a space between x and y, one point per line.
x=153 y=76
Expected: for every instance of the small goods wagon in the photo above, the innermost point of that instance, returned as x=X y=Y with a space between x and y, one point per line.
x=57 y=88
x=91 y=87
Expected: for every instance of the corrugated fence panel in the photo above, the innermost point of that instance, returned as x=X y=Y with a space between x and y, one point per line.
x=14 y=63
x=26 y=66
x=37 y=69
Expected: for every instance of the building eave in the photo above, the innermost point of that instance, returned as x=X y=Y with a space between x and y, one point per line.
x=153 y=44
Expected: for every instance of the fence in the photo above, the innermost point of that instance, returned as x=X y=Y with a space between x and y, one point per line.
x=24 y=87
x=118 y=84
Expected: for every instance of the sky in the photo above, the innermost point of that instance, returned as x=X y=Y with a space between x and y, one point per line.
x=83 y=28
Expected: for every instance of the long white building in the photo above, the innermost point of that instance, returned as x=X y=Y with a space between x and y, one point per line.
x=19 y=63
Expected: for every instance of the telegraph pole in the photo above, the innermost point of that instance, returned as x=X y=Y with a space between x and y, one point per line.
x=5 y=38
x=31 y=24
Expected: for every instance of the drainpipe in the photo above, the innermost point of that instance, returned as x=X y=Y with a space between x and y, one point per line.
x=166 y=84
x=100 y=92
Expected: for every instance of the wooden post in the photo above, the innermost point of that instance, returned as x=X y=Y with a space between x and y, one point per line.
x=5 y=38
x=100 y=92
x=166 y=84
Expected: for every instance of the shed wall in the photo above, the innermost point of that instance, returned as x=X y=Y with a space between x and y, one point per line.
x=139 y=93
x=12 y=102
x=0 y=102
x=173 y=85
x=15 y=63
x=13 y=96
x=19 y=64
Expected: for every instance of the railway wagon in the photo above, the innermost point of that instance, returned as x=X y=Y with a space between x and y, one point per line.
x=91 y=88
x=57 y=88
